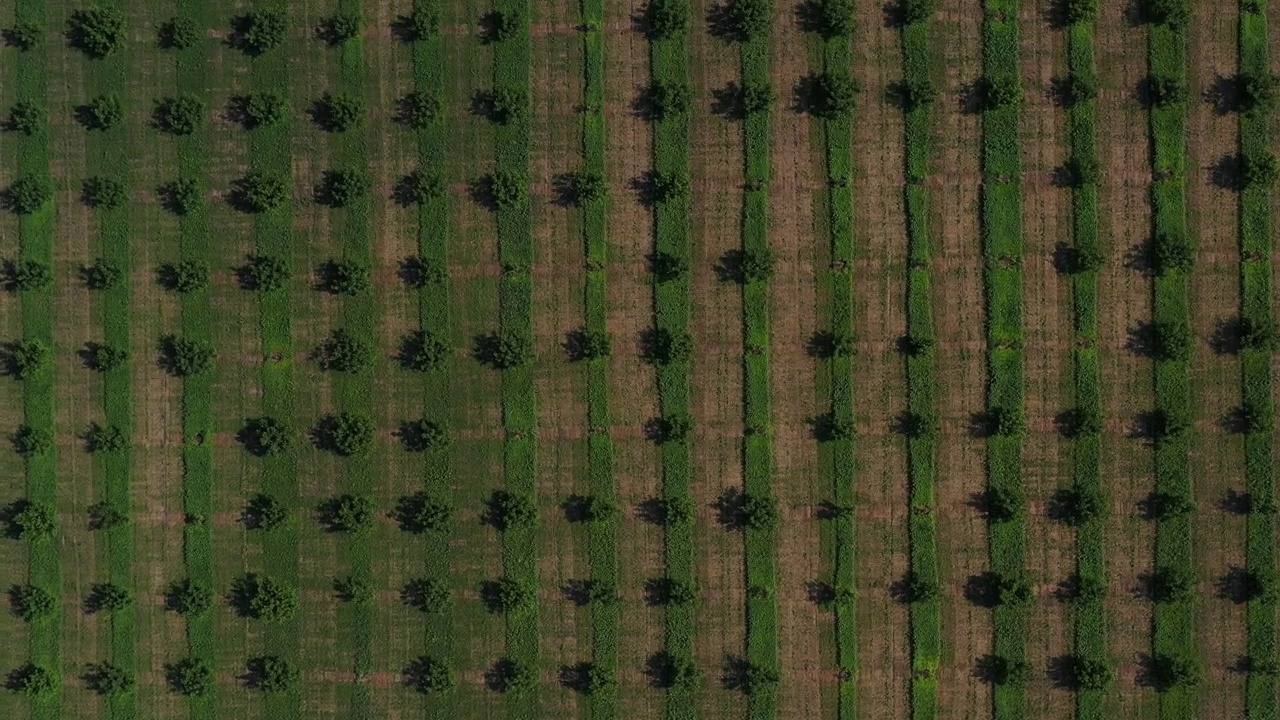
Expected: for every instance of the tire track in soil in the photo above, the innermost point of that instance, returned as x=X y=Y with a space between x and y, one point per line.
x=1124 y=215
x=961 y=368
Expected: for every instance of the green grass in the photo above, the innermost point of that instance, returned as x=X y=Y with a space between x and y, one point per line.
x=1256 y=382
x=926 y=618
x=1002 y=251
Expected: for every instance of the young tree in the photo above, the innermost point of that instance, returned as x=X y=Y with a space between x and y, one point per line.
x=666 y=18
x=747 y=19
x=184 y=276
x=264 y=436
x=423 y=350
x=755 y=98
x=101 y=275
x=1003 y=503
x=259 y=110
x=105 y=516
x=33 y=680
x=1173 y=671
x=420 y=24
x=832 y=94
x=347 y=513
x=103 y=193
x=182 y=196
x=1082 y=505
x=509 y=596
x=108 y=680
x=108 y=597
x=184 y=357
x=23 y=35
x=28 y=194
x=1091 y=673
x=1170 y=584
x=422 y=513
x=1081 y=87
x=105 y=438
x=27 y=118
x=1004 y=421
x=589 y=345
x=1259 y=91
x=510 y=675
x=503 y=351
x=590 y=509
x=101 y=113
x=673 y=671
x=190 y=676
x=24 y=275
x=665 y=100
x=667 y=347
x=337 y=113
x=1164 y=505
x=188 y=598
x=675 y=510
x=757 y=265
x=508 y=105
x=261 y=191
x=260 y=31
x=830 y=18
x=1255 y=335
x=669 y=592
x=668 y=267
x=344 y=352
x=508 y=511
x=179 y=114
x=178 y=33
x=353 y=589
x=340 y=188
x=97 y=31
x=1080 y=12
x=1166 y=90
x=586 y=187
x=500 y=25
x=1014 y=591
x=31 y=602
x=105 y=358
x=1000 y=92
x=418 y=109
x=264 y=598
x=29 y=441
x=346 y=433
x=428 y=595
x=27 y=358
x=1172 y=340
x=429 y=675
x=265 y=512
x=507 y=189
x=345 y=277
x=418 y=187
x=917 y=588
x=422 y=434
x=272 y=673
x=916 y=92
x=339 y=28
x=759 y=512
x=265 y=273
x=917 y=11
x=1174 y=13
x=1260 y=170
x=1172 y=253
x=671 y=187
x=1083 y=171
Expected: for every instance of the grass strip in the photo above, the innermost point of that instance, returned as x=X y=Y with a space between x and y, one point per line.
x=433 y=318
x=35 y=243
x=512 y=61
x=1256 y=382
x=926 y=615
x=1173 y=623
x=757 y=459
x=602 y=536
x=269 y=151
x=1002 y=251
x=668 y=60
x=1088 y=617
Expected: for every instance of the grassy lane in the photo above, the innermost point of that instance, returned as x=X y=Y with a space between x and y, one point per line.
x=1002 y=249
x=1173 y=623
x=1089 y=618
x=602 y=539
x=1256 y=372
x=35 y=243
x=926 y=620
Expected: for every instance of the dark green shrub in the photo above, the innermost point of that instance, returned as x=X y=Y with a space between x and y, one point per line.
x=1082 y=259
x=353 y=589
x=23 y=35
x=179 y=115
x=1174 y=13
x=507 y=189
x=259 y=110
x=33 y=681
x=666 y=18
x=671 y=187
x=917 y=588
x=101 y=275
x=184 y=357
x=97 y=31
x=670 y=428
x=1259 y=91
x=917 y=425
x=423 y=351
x=418 y=187
x=830 y=18
x=831 y=95
x=586 y=187
x=23 y=275
x=669 y=592
x=589 y=345
x=509 y=596
x=418 y=109
x=1164 y=505
x=344 y=352
x=665 y=100
x=105 y=439
x=182 y=196
x=590 y=509
x=29 y=441
x=667 y=347
x=102 y=193
x=590 y=678
x=1172 y=253
x=419 y=25
x=184 y=276
x=265 y=273
x=346 y=433
x=427 y=595
x=28 y=194
x=757 y=265
x=1091 y=673
x=31 y=602
x=509 y=511
x=1003 y=504
x=917 y=92
x=675 y=510
x=1083 y=171
x=188 y=598
x=351 y=514
x=30 y=521
x=339 y=28
x=1256 y=335
x=1006 y=672
x=260 y=191
x=429 y=675
x=1006 y=421
x=1014 y=591
x=673 y=671
x=1081 y=87
x=340 y=188
x=265 y=436
x=337 y=113
x=500 y=25
x=1000 y=92
x=105 y=358
x=108 y=597
x=27 y=358
x=759 y=512
x=507 y=105
x=1079 y=506
x=755 y=679
x=1172 y=340
x=260 y=31
x=265 y=512
x=1255 y=418
x=915 y=345
x=189 y=676
x=1173 y=671
x=105 y=516
x=421 y=435
x=272 y=673
x=101 y=113
x=1171 y=584
x=757 y=98
x=1080 y=11
x=510 y=675
x=917 y=11
x=27 y=118
x=1166 y=90
x=264 y=598
x=1260 y=170
x=345 y=277
x=178 y=33
x=422 y=513
x=745 y=20
x=667 y=267
x=505 y=351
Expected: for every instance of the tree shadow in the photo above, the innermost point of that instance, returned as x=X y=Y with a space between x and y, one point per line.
x=982 y=589
x=1228 y=172
x=729 y=102
x=1141 y=338
x=1223 y=94
x=730 y=509
x=1236 y=502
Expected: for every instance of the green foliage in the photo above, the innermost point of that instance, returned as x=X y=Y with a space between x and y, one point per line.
x=508 y=104
x=105 y=516
x=1004 y=671
x=419 y=25
x=1172 y=340
x=511 y=510
x=418 y=109
x=418 y=187
x=1172 y=253
x=265 y=273
x=666 y=18
x=1081 y=87
x=423 y=434
x=346 y=433
x=1014 y=591
x=1259 y=92
x=422 y=513
x=190 y=676
x=507 y=189
x=1166 y=90
x=917 y=11
x=27 y=358
x=24 y=35
x=340 y=188
x=509 y=596
x=31 y=602
x=759 y=512
x=29 y=441
x=1080 y=505
x=510 y=675
x=260 y=110
x=345 y=277
x=265 y=512
x=108 y=597
x=347 y=513
x=755 y=679
x=261 y=191
x=264 y=598
x=103 y=193
x=260 y=31
x=757 y=265
x=429 y=675
x=1080 y=11
x=670 y=428
x=179 y=114
x=830 y=18
x=587 y=345
x=1256 y=335
x=337 y=113
x=185 y=357
x=344 y=352
x=668 y=268
x=33 y=681
x=423 y=350
x=264 y=436
x=340 y=27
x=272 y=673
x=28 y=194
x=1169 y=584
x=97 y=31
x=1163 y=505
x=1173 y=671
x=1000 y=92
x=182 y=196
x=916 y=588
x=586 y=187
x=745 y=20
x=188 y=598
x=506 y=350
x=671 y=187
x=756 y=98
x=1003 y=503
x=917 y=92
x=102 y=112
x=27 y=118
x=105 y=358
x=668 y=347
x=179 y=33
x=664 y=100
x=353 y=589
x=674 y=511
x=1260 y=169
x=184 y=276
x=1006 y=421
x=105 y=439
x=592 y=678
x=831 y=94
x=24 y=275
x=670 y=592
x=590 y=509
x=1174 y=13
x=673 y=671
x=1083 y=170
x=102 y=274
x=1091 y=673
x=427 y=595
x=1078 y=259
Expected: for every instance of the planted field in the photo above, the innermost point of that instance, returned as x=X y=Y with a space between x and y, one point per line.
x=672 y=359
